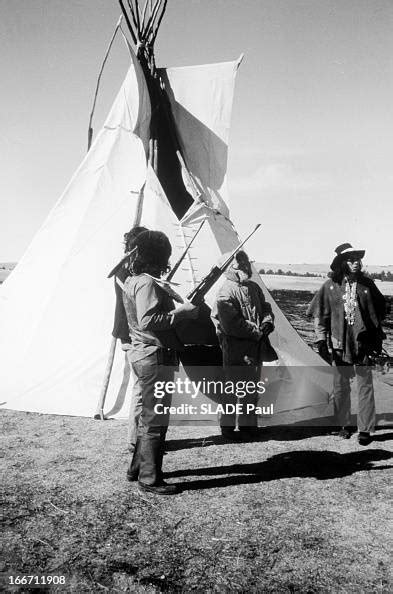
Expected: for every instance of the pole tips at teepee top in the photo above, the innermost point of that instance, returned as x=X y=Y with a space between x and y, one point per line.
x=143 y=22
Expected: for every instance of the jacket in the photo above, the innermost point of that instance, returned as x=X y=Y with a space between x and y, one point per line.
x=327 y=308
x=239 y=311
x=148 y=309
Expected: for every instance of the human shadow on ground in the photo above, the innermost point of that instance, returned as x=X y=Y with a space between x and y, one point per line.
x=295 y=432
x=262 y=434
x=321 y=465
x=383 y=437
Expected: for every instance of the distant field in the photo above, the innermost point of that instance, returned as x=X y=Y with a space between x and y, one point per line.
x=3 y=275
x=5 y=269
x=300 y=283
x=276 y=281
x=321 y=268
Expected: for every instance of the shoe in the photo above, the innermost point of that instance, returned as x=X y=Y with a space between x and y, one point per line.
x=160 y=489
x=344 y=433
x=241 y=435
x=228 y=433
x=132 y=476
x=248 y=433
x=364 y=438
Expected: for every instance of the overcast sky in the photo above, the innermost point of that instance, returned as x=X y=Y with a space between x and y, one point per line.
x=311 y=144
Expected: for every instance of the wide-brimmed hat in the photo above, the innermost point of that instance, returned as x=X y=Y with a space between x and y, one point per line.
x=343 y=251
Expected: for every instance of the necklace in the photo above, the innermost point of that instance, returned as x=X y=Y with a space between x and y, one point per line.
x=350 y=303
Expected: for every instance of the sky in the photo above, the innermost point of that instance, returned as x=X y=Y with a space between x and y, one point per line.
x=311 y=142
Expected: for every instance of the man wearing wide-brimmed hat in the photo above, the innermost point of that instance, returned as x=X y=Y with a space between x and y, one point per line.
x=348 y=310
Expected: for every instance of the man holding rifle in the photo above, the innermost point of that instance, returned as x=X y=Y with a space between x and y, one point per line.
x=243 y=321
x=152 y=319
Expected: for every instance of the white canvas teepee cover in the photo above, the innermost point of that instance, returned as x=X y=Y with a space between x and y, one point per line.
x=56 y=308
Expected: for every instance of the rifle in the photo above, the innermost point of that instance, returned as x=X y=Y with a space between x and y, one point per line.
x=198 y=293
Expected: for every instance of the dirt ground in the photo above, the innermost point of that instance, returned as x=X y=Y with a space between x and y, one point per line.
x=296 y=510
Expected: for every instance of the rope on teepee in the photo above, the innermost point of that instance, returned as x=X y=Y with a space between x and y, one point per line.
x=90 y=131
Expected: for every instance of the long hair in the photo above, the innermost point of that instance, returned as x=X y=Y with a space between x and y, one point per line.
x=153 y=251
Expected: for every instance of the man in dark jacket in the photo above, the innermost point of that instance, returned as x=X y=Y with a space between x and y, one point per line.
x=243 y=321
x=348 y=310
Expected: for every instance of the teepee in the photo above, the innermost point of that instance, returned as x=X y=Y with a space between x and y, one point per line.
x=160 y=160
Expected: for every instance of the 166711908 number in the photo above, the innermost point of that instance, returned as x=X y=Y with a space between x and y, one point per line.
x=36 y=580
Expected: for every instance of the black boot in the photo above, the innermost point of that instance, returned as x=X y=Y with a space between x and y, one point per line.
x=161 y=489
x=150 y=457
x=133 y=469
x=345 y=433
x=364 y=438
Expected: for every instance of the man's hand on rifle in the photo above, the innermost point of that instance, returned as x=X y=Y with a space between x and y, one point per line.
x=185 y=311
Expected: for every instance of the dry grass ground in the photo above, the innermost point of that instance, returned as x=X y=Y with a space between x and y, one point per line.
x=296 y=510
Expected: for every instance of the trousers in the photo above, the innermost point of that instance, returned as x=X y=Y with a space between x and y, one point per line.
x=240 y=376
x=342 y=395
x=147 y=458
x=135 y=408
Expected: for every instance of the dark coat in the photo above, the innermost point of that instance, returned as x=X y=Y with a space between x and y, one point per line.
x=238 y=314
x=327 y=307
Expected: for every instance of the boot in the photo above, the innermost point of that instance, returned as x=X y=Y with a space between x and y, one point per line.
x=161 y=489
x=150 y=458
x=133 y=469
x=364 y=438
